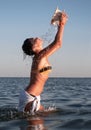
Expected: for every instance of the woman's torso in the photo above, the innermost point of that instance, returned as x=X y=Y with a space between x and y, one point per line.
x=38 y=75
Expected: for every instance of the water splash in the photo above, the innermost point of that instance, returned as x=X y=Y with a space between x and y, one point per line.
x=48 y=37
x=50 y=109
x=10 y=113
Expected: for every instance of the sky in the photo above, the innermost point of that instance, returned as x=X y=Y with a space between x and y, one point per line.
x=20 y=19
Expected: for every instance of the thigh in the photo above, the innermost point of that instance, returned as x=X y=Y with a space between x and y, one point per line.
x=28 y=106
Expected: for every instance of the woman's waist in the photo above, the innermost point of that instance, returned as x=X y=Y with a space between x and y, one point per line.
x=36 y=84
x=35 y=89
x=39 y=77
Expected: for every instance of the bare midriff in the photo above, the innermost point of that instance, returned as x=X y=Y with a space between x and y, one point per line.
x=37 y=82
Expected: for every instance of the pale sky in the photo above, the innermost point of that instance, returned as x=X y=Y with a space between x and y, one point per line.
x=20 y=19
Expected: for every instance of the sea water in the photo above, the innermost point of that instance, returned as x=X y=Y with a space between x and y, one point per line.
x=66 y=100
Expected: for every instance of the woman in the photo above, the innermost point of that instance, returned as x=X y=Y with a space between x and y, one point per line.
x=30 y=97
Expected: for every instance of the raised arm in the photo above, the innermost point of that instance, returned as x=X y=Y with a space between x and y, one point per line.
x=57 y=43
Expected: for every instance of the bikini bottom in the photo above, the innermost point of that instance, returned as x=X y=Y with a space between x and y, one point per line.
x=25 y=98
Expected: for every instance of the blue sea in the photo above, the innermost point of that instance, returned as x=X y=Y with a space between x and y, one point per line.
x=67 y=102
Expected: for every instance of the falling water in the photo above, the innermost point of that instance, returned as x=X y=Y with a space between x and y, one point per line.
x=49 y=36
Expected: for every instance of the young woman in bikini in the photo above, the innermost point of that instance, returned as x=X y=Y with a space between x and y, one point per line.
x=30 y=97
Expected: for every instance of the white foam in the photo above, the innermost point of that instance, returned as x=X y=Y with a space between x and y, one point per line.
x=50 y=108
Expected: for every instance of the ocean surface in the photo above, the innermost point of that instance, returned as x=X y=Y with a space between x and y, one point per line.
x=67 y=103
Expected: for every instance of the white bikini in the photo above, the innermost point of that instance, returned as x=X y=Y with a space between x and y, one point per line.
x=25 y=98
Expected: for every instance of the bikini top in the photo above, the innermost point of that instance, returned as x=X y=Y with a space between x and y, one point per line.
x=45 y=69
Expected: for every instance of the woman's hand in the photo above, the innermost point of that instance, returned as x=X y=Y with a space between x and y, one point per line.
x=63 y=19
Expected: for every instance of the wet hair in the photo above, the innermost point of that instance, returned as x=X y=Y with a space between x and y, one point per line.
x=27 y=47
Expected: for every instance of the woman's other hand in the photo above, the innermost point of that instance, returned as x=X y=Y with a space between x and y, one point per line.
x=63 y=18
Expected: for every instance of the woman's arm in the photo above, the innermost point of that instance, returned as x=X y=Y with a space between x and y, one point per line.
x=57 y=43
